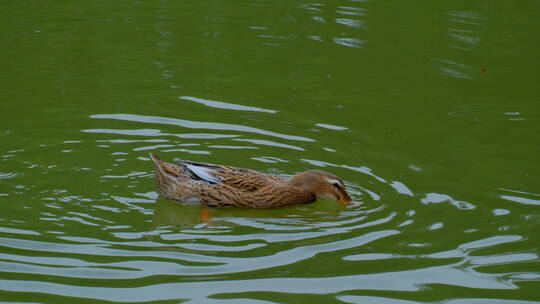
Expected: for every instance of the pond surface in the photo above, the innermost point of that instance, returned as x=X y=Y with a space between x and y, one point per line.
x=428 y=110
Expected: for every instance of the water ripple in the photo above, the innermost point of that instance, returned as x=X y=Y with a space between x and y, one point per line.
x=225 y=105
x=410 y=280
x=81 y=220
x=197 y=125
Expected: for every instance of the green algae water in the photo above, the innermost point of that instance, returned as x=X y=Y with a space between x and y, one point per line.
x=429 y=111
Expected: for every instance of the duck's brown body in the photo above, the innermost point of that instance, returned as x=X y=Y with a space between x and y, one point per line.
x=224 y=186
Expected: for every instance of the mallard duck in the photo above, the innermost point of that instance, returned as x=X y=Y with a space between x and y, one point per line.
x=224 y=186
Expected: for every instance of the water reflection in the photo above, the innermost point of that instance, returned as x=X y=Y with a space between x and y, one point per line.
x=435 y=198
x=197 y=125
x=225 y=105
x=375 y=300
x=463 y=31
x=346 y=23
x=521 y=200
x=168 y=213
x=413 y=280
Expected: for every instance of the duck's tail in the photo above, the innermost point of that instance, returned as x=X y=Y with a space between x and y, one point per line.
x=155 y=158
x=164 y=171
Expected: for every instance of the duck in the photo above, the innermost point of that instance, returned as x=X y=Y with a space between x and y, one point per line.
x=221 y=186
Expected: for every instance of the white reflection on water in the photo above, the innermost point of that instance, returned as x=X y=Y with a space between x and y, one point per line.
x=197 y=125
x=269 y=143
x=521 y=200
x=138 y=260
x=350 y=22
x=156 y=132
x=350 y=42
x=440 y=198
x=521 y=197
x=225 y=105
x=408 y=280
x=463 y=32
x=345 y=24
x=377 y=300
x=331 y=127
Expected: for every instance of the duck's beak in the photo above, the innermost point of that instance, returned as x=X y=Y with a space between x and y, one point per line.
x=345 y=200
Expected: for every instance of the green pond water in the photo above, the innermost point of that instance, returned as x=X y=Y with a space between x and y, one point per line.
x=429 y=111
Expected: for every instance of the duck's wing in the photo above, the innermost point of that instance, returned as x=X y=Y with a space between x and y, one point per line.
x=239 y=178
x=205 y=172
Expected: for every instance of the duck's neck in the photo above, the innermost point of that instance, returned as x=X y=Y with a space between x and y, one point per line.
x=301 y=195
x=300 y=180
x=298 y=190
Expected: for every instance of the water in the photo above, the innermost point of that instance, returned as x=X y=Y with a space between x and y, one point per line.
x=428 y=111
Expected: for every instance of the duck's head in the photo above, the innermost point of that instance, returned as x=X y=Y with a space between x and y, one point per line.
x=322 y=184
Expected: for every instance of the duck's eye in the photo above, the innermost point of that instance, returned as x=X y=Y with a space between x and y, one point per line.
x=337 y=185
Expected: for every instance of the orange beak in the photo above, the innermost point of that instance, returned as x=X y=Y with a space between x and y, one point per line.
x=345 y=200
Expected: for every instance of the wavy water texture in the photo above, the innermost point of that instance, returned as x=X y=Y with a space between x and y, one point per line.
x=181 y=256
x=427 y=111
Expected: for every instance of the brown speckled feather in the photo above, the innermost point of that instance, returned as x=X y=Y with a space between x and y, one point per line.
x=240 y=178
